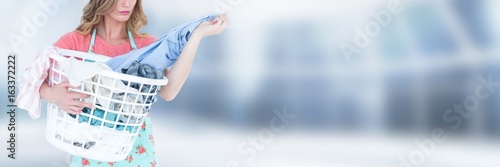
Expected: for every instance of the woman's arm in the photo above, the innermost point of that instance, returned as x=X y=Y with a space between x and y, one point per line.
x=59 y=94
x=180 y=70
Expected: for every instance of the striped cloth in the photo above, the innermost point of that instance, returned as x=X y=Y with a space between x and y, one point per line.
x=31 y=80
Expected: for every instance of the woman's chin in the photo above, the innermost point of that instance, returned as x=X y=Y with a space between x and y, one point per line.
x=121 y=18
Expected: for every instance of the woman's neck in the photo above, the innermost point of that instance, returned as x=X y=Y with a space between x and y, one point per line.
x=112 y=31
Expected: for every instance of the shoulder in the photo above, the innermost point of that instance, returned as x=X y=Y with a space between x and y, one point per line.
x=145 y=40
x=71 y=40
x=73 y=34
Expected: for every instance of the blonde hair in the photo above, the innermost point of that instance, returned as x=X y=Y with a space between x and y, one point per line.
x=95 y=10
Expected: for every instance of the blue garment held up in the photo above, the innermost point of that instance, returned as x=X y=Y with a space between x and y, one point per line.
x=163 y=52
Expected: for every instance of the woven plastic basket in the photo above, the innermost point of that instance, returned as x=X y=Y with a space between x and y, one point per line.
x=108 y=132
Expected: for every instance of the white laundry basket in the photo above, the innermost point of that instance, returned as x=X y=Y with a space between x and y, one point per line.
x=108 y=132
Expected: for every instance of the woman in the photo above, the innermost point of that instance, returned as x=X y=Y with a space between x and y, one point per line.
x=114 y=24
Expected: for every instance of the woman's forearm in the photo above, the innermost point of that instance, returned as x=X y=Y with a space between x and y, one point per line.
x=180 y=70
x=44 y=90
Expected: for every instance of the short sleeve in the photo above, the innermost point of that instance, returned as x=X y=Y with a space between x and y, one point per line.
x=66 y=41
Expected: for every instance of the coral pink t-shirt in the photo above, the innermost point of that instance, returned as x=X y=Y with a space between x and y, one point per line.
x=78 y=42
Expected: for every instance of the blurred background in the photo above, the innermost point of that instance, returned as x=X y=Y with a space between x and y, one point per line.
x=287 y=55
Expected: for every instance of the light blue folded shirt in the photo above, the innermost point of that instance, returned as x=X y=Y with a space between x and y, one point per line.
x=162 y=53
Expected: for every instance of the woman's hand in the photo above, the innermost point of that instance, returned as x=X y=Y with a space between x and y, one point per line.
x=63 y=98
x=216 y=26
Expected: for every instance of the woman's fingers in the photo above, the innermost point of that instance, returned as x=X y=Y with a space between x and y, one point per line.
x=224 y=24
x=75 y=104
x=70 y=110
x=217 y=21
x=81 y=105
x=76 y=107
x=77 y=95
x=215 y=26
x=220 y=22
x=74 y=110
x=67 y=86
x=225 y=17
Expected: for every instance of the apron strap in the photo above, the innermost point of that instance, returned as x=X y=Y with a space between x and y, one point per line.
x=132 y=41
x=92 y=41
